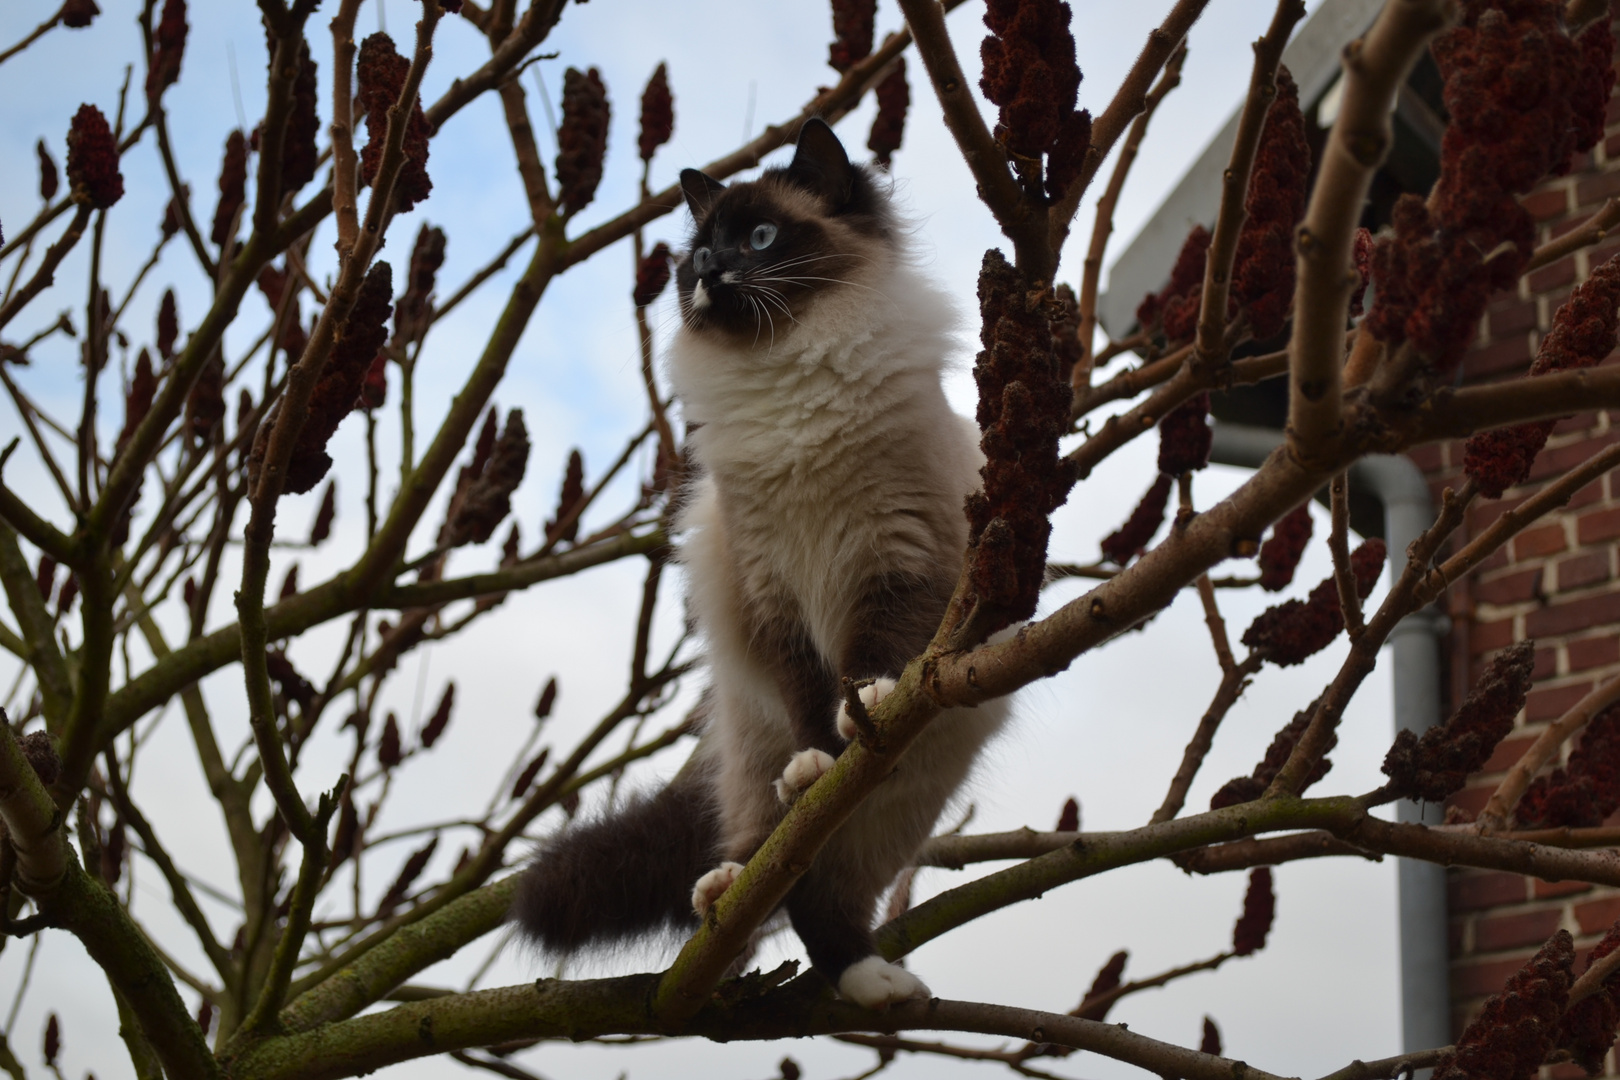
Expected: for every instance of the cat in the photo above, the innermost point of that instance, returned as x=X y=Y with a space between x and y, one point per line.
x=821 y=541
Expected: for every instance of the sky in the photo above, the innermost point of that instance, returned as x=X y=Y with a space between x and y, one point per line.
x=1109 y=730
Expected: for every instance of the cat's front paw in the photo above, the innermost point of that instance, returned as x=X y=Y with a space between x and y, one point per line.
x=870 y=695
x=712 y=885
x=803 y=769
x=874 y=983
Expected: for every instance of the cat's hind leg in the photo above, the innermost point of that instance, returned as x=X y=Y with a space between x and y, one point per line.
x=834 y=925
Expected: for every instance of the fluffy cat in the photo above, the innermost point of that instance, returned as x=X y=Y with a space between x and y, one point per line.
x=821 y=541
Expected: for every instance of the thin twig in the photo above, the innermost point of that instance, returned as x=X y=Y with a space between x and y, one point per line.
x=1505 y=799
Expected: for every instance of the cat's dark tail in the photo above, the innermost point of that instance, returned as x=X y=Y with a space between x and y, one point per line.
x=624 y=875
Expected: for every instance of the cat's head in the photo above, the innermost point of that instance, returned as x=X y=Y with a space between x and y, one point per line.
x=762 y=250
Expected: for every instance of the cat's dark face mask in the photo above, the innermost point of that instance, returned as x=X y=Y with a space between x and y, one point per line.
x=763 y=249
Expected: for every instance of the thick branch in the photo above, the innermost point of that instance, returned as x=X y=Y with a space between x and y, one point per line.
x=1374 y=69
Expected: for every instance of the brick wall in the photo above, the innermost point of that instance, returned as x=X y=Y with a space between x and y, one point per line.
x=1556 y=583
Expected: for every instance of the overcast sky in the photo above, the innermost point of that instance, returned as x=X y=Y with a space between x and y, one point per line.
x=1110 y=730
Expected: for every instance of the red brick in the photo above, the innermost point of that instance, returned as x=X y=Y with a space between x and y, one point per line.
x=1560 y=459
x=1562 y=272
x=1544 y=889
x=1493 y=933
x=1594 y=189
x=1509 y=354
x=1593 y=652
x=1514 y=588
x=1551 y=704
x=1427 y=458
x=1482 y=516
x=1511 y=316
x=1579 y=571
x=1492 y=888
x=1596 y=916
x=1496 y=560
x=1471 y=800
x=1546 y=205
x=1484 y=978
x=1486 y=637
x=1545 y=665
x=1587 y=495
x=1507 y=752
x=1579 y=422
x=1565 y=1070
x=1573 y=615
x=1595 y=526
x=1542 y=540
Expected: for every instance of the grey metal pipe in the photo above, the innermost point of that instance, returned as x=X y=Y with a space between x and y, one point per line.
x=1415 y=661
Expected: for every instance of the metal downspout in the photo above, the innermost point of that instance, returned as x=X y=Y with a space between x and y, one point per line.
x=1415 y=659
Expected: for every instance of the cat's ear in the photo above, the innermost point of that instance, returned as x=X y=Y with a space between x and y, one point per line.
x=700 y=190
x=820 y=163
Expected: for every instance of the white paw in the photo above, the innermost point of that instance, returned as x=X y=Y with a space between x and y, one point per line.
x=712 y=885
x=870 y=696
x=874 y=983
x=803 y=769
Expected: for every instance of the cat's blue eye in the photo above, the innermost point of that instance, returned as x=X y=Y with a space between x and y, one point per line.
x=700 y=258
x=763 y=235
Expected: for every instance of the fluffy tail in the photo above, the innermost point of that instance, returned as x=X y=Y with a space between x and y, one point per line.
x=623 y=876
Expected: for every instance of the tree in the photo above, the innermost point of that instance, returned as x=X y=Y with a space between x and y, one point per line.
x=143 y=538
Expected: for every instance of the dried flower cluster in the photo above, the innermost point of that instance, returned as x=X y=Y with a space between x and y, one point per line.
x=888 y=126
x=92 y=159
x=322 y=527
x=1066 y=330
x=39 y=750
x=1211 y=1042
x=1361 y=254
x=47 y=172
x=441 y=716
x=1280 y=554
x=414 y=312
x=1107 y=980
x=1023 y=409
x=525 y=779
x=1287 y=633
x=298 y=152
x=1185 y=438
x=1069 y=817
x=335 y=394
x=1587 y=1028
x=1433 y=766
x=78 y=14
x=1263 y=268
x=169 y=48
x=582 y=139
x=381 y=73
x=1586 y=790
x=1031 y=74
x=293 y=686
x=1521 y=98
x=564 y=527
x=1515 y=1029
x=652 y=275
x=852 y=32
x=232 y=189
x=1244 y=789
x=272 y=283
x=205 y=401
x=1131 y=539
x=1259 y=909
x=1583 y=334
x=657 y=113
x=408 y=874
x=483 y=495
x=1174 y=309
x=137 y=399
x=168 y=325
